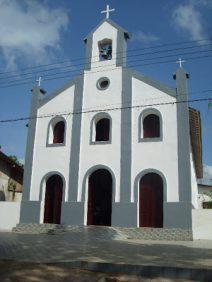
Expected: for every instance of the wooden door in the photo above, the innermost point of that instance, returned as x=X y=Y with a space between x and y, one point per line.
x=53 y=199
x=100 y=198
x=151 y=201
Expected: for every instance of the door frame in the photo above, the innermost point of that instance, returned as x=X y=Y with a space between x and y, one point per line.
x=136 y=189
x=84 y=195
x=43 y=192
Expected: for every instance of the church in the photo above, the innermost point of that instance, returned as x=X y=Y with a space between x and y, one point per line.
x=112 y=147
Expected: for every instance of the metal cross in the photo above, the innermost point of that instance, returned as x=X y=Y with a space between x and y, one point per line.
x=39 y=81
x=180 y=61
x=107 y=11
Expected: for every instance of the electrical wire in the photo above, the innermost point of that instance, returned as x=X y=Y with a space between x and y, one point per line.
x=131 y=50
x=103 y=110
x=91 y=72
x=85 y=64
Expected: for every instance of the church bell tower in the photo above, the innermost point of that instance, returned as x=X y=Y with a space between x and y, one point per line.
x=106 y=45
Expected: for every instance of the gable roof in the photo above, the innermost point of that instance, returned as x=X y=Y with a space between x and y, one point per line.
x=126 y=34
x=58 y=91
x=154 y=83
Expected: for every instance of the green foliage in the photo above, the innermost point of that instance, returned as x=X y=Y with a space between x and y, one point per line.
x=209 y=194
x=207 y=205
x=15 y=159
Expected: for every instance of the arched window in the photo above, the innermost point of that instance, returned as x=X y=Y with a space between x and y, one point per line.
x=103 y=130
x=58 y=132
x=151 y=126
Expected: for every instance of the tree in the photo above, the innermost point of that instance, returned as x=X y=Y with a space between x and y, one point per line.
x=15 y=160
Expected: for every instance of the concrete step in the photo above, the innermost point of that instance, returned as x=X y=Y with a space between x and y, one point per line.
x=109 y=233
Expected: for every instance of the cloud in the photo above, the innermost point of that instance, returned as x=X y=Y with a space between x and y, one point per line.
x=207 y=171
x=144 y=37
x=206 y=3
x=188 y=19
x=29 y=31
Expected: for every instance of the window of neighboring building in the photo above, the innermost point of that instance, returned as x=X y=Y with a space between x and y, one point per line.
x=151 y=126
x=2 y=196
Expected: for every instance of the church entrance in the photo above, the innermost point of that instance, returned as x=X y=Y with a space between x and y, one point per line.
x=151 y=201
x=53 y=199
x=100 y=198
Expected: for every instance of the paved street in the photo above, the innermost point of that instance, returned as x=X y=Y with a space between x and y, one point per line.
x=96 y=245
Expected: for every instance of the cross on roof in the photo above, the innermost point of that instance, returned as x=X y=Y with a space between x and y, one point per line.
x=39 y=81
x=180 y=61
x=107 y=11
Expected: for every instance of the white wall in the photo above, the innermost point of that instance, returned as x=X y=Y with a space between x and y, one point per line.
x=53 y=158
x=9 y=215
x=160 y=155
x=194 y=186
x=105 y=31
x=201 y=224
x=101 y=154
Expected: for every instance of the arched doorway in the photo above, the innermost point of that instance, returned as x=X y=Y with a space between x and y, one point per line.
x=151 y=201
x=53 y=199
x=100 y=198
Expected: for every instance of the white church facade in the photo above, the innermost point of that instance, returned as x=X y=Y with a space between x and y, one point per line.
x=112 y=147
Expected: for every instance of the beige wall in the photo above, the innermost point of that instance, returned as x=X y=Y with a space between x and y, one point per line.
x=7 y=184
x=201 y=224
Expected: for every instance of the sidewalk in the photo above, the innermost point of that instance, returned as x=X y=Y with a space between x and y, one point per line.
x=91 y=249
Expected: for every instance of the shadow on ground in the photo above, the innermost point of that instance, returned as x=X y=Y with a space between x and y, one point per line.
x=28 y=272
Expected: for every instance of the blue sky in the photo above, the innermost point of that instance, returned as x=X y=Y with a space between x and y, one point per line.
x=45 y=32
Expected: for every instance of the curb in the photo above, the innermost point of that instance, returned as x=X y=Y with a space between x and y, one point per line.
x=148 y=271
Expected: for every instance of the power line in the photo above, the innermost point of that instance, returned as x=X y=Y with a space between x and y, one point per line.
x=84 y=64
x=111 y=65
x=91 y=72
x=131 y=50
x=103 y=110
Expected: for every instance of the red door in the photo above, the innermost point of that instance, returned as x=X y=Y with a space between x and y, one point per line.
x=53 y=199
x=100 y=198
x=151 y=201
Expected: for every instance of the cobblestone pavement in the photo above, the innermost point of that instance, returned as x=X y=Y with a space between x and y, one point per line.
x=96 y=245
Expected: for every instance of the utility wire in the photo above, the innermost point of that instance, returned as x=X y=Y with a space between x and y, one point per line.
x=103 y=110
x=42 y=72
x=110 y=65
x=91 y=72
x=131 y=50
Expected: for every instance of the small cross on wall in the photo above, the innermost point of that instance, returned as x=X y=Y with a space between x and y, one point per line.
x=180 y=61
x=107 y=11
x=39 y=81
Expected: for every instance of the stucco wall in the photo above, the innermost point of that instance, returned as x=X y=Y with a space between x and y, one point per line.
x=47 y=157
x=201 y=224
x=6 y=181
x=156 y=154
x=9 y=215
x=194 y=186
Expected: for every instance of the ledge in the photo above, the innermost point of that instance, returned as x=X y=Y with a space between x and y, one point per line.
x=155 y=139
x=56 y=145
